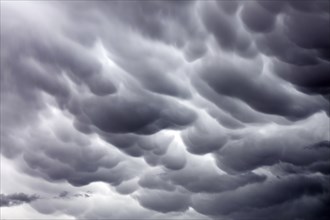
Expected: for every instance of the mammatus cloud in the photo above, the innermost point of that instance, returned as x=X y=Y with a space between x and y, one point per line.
x=165 y=109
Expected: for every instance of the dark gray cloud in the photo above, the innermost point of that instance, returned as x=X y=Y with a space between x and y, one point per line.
x=165 y=109
x=274 y=99
x=16 y=199
x=251 y=14
x=253 y=152
x=263 y=196
x=164 y=201
x=68 y=195
x=213 y=139
x=208 y=181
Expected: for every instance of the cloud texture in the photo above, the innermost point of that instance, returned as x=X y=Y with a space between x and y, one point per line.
x=165 y=109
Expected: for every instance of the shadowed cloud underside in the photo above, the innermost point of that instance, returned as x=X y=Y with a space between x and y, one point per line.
x=165 y=109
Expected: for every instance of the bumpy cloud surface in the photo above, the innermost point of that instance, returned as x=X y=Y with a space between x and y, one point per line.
x=165 y=109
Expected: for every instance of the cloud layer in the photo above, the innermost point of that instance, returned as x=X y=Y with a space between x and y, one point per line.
x=165 y=109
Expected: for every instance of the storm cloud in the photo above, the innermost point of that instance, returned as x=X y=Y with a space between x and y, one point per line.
x=165 y=109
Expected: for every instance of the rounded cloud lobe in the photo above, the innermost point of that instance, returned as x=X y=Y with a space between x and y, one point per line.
x=174 y=109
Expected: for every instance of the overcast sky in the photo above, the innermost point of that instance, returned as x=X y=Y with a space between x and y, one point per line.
x=165 y=109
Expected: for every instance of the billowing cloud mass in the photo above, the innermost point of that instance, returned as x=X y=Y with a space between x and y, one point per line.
x=165 y=109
